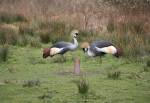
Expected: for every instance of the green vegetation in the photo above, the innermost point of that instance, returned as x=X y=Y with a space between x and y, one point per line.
x=28 y=26
x=27 y=77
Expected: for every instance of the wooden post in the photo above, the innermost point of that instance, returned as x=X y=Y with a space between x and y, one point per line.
x=77 y=66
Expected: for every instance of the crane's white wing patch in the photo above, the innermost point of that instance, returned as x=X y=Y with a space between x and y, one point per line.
x=109 y=49
x=54 y=50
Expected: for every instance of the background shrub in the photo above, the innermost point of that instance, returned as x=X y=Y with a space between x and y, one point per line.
x=11 y=18
x=35 y=42
x=8 y=36
x=44 y=37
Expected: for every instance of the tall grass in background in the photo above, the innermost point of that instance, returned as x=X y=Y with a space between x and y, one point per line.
x=131 y=36
x=54 y=31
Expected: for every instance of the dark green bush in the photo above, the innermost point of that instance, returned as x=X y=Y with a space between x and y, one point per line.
x=148 y=63
x=8 y=36
x=3 y=53
x=11 y=18
x=45 y=37
x=2 y=37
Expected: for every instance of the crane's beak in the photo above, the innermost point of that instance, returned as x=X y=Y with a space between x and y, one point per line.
x=84 y=50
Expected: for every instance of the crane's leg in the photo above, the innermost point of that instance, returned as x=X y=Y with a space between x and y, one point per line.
x=100 y=60
x=63 y=59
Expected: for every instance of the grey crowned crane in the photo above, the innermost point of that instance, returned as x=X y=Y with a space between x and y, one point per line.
x=100 y=48
x=62 y=47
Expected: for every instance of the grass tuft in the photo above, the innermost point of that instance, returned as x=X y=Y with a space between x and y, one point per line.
x=83 y=86
x=113 y=74
x=31 y=83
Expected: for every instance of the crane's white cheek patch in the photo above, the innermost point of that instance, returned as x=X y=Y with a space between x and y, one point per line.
x=109 y=50
x=54 y=51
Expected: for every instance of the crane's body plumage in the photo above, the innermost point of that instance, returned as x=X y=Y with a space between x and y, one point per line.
x=62 y=47
x=100 y=48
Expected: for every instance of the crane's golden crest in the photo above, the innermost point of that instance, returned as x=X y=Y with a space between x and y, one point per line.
x=85 y=45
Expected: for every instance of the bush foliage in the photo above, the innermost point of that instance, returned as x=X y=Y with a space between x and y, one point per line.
x=11 y=18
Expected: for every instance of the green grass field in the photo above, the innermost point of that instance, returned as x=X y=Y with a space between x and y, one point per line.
x=28 y=78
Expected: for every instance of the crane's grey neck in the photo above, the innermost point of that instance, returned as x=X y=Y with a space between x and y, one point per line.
x=75 y=42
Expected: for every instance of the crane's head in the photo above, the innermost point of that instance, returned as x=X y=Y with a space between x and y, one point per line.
x=46 y=52
x=85 y=46
x=74 y=33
